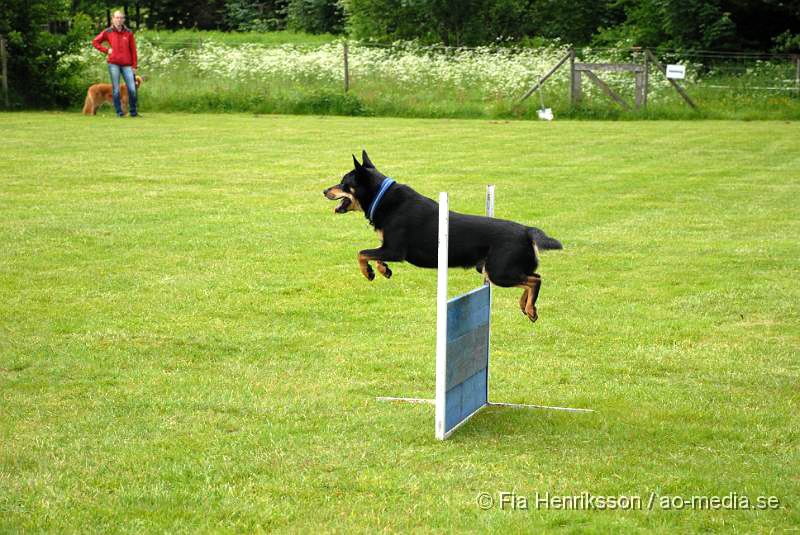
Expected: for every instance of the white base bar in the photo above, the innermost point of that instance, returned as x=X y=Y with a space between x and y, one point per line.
x=408 y=400
x=522 y=406
x=491 y=404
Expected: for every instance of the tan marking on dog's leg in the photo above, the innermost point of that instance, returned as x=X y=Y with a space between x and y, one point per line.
x=531 y=287
x=535 y=282
x=523 y=299
x=365 y=268
x=383 y=269
x=527 y=306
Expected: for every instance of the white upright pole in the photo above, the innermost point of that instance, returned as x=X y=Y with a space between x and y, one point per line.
x=489 y=213
x=441 y=317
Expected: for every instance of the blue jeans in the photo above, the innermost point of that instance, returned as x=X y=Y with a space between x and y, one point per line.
x=127 y=74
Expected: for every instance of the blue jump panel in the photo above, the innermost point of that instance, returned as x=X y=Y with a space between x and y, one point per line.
x=467 y=355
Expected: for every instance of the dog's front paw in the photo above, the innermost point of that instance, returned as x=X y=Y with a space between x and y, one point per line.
x=384 y=269
x=532 y=315
x=366 y=269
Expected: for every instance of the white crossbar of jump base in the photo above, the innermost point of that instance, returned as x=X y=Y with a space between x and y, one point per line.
x=491 y=404
x=546 y=407
x=407 y=400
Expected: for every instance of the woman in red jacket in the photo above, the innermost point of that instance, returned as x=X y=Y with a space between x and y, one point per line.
x=121 y=59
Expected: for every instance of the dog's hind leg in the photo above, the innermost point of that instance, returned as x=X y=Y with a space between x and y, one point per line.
x=515 y=266
x=530 y=294
x=523 y=300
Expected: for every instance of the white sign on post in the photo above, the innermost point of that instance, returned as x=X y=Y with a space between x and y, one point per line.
x=676 y=72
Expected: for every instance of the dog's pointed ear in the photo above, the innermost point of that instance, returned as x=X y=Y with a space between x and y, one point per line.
x=360 y=169
x=366 y=160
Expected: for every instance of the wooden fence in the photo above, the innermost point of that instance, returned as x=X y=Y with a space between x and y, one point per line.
x=641 y=74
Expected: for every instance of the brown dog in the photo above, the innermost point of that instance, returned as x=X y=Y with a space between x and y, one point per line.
x=100 y=93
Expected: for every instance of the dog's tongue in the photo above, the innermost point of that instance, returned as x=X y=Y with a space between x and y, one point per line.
x=342 y=208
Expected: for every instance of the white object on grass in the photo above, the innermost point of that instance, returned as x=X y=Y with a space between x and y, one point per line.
x=546 y=114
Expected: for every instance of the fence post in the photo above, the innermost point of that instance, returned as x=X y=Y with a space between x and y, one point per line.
x=574 y=81
x=641 y=82
x=797 y=73
x=572 y=76
x=4 y=69
x=646 y=80
x=346 y=70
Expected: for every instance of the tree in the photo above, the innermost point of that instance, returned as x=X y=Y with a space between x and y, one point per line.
x=698 y=24
x=255 y=16
x=449 y=22
x=476 y=22
x=178 y=14
x=315 y=16
x=702 y=24
x=38 y=74
x=571 y=21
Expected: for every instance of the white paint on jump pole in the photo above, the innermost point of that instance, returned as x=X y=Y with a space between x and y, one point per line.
x=471 y=394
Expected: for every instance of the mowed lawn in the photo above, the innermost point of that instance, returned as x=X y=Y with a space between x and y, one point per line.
x=187 y=344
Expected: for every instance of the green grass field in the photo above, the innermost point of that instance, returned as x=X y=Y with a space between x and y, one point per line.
x=187 y=345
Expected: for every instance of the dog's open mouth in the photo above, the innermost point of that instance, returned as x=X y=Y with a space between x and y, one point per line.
x=347 y=202
x=343 y=205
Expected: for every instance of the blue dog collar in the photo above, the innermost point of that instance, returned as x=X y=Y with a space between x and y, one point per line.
x=384 y=186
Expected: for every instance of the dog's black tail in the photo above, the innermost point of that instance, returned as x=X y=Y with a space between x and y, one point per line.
x=542 y=240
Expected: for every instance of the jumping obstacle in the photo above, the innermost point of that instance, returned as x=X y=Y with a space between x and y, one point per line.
x=462 y=344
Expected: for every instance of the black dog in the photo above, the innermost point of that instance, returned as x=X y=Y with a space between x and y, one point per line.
x=408 y=226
